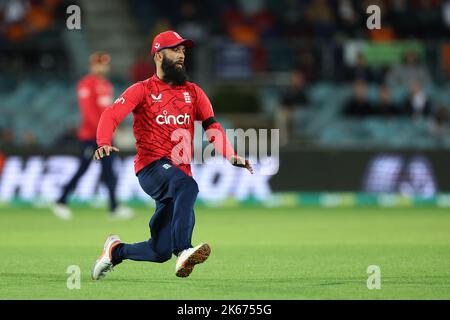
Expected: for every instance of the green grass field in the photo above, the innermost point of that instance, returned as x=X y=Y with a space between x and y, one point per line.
x=257 y=253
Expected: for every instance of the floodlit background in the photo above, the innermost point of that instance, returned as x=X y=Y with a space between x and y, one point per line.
x=364 y=128
x=367 y=109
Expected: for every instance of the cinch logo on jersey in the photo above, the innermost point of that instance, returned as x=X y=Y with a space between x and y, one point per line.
x=171 y=119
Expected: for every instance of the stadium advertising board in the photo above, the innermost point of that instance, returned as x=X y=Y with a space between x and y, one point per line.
x=41 y=178
x=338 y=178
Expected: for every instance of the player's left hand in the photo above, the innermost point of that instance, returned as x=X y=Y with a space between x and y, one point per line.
x=242 y=163
x=104 y=151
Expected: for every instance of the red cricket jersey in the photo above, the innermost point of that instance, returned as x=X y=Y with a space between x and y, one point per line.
x=95 y=94
x=163 y=122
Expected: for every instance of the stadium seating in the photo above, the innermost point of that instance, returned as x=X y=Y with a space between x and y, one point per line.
x=53 y=103
x=38 y=97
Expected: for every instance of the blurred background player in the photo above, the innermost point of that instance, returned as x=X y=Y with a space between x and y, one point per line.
x=95 y=93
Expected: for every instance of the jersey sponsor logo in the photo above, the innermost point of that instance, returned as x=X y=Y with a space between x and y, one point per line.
x=157 y=98
x=166 y=166
x=120 y=100
x=104 y=101
x=180 y=119
x=83 y=93
x=187 y=97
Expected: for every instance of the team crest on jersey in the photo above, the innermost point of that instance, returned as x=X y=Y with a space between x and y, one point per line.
x=187 y=97
x=157 y=98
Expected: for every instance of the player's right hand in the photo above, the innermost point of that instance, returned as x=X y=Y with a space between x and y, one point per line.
x=104 y=151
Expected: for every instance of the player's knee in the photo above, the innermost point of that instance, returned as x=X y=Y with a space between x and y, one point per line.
x=188 y=183
x=193 y=185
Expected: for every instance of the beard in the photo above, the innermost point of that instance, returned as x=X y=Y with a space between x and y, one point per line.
x=173 y=74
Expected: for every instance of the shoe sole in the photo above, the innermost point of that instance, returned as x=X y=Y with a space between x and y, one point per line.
x=101 y=256
x=92 y=272
x=197 y=257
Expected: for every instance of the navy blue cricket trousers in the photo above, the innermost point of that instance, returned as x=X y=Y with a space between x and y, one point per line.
x=172 y=224
x=108 y=175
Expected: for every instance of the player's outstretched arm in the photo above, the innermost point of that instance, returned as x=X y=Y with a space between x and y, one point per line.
x=216 y=135
x=114 y=115
x=215 y=132
x=104 y=151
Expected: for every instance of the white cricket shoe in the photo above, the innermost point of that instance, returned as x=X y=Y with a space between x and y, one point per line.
x=103 y=264
x=122 y=213
x=188 y=258
x=62 y=211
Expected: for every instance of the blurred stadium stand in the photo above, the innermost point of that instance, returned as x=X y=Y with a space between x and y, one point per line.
x=245 y=57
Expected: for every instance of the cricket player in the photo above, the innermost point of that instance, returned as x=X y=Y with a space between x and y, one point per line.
x=164 y=107
x=95 y=94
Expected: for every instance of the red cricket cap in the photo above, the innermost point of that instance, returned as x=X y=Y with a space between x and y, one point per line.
x=169 y=39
